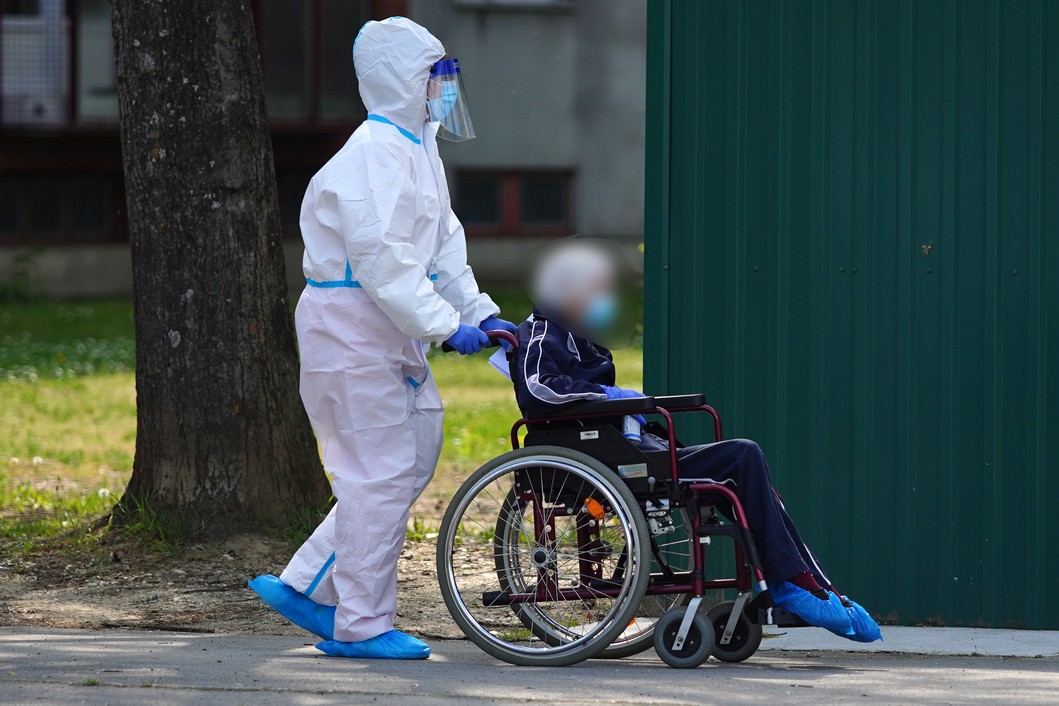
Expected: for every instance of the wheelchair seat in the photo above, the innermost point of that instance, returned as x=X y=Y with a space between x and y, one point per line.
x=605 y=443
x=633 y=405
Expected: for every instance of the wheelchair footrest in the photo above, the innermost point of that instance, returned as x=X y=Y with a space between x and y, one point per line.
x=758 y=612
x=782 y=619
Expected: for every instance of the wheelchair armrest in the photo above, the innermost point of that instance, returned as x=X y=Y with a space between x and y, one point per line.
x=680 y=401
x=629 y=405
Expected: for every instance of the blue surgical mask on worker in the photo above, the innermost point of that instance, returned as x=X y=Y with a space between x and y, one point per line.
x=601 y=312
x=441 y=107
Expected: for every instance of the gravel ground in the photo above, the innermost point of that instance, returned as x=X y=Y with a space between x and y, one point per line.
x=200 y=589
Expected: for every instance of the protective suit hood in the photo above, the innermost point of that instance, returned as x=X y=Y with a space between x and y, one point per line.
x=392 y=59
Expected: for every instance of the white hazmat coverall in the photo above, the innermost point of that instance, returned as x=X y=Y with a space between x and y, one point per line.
x=386 y=270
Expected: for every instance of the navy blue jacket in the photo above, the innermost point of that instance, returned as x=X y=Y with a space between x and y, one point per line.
x=556 y=368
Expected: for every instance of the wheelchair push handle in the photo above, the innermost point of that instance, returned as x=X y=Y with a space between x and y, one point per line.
x=494 y=340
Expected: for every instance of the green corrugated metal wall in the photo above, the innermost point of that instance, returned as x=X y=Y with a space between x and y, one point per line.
x=853 y=247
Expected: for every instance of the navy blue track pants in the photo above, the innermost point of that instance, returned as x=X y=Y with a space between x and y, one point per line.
x=782 y=551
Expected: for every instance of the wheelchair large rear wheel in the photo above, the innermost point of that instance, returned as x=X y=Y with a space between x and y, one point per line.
x=575 y=549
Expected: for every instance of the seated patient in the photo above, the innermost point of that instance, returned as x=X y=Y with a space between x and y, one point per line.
x=559 y=364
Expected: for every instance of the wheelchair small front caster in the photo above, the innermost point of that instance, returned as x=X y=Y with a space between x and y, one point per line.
x=745 y=637
x=697 y=643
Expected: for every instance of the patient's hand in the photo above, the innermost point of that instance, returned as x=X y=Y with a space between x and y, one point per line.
x=621 y=393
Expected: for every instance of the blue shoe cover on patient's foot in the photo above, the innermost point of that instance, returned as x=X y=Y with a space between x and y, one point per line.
x=389 y=645
x=295 y=606
x=865 y=629
x=829 y=614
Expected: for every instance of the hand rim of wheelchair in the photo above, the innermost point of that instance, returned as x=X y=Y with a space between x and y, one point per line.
x=628 y=596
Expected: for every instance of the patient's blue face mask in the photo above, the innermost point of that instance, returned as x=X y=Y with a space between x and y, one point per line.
x=441 y=106
x=601 y=312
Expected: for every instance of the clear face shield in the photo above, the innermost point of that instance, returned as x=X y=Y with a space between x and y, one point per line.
x=447 y=102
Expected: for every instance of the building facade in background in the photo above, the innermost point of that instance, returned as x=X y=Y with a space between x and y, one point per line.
x=556 y=87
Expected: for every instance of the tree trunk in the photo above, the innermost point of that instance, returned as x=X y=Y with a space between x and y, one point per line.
x=222 y=437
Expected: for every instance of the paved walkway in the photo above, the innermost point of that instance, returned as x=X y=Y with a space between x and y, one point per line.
x=143 y=668
x=931 y=641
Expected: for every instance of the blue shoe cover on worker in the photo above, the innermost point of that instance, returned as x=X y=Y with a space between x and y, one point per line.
x=865 y=629
x=389 y=645
x=830 y=614
x=295 y=606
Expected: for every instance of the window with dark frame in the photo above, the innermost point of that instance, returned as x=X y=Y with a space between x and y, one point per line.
x=515 y=202
x=9 y=209
x=60 y=209
x=44 y=203
x=478 y=199
x=67 y=77
x=37 y=66
x=310 y=88
x=306 y=66
x=518 y=4
x=57 y=76
x=284 y=36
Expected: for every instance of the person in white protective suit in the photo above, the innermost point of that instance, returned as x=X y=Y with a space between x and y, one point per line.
x=387 y=275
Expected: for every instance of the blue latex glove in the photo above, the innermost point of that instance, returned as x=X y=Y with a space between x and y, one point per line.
x=619 y=393
x=641 y=419
x=494 y=323
x=389 y=645
x=295 y=606
x=468 y=339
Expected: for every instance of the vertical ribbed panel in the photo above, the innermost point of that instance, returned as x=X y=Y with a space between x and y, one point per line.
x=853 y=249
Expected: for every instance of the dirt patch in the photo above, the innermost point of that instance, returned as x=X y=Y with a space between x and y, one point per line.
x=117 y=583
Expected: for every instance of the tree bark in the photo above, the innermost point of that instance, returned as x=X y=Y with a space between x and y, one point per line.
x=222 y=437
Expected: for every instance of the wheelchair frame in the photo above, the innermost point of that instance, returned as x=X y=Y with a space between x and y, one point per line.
x=691 y=496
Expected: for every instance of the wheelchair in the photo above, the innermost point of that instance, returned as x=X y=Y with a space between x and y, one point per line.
x=576 y=544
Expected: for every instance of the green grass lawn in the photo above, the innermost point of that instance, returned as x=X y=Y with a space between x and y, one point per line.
x=62 y=340
x=68 y=415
